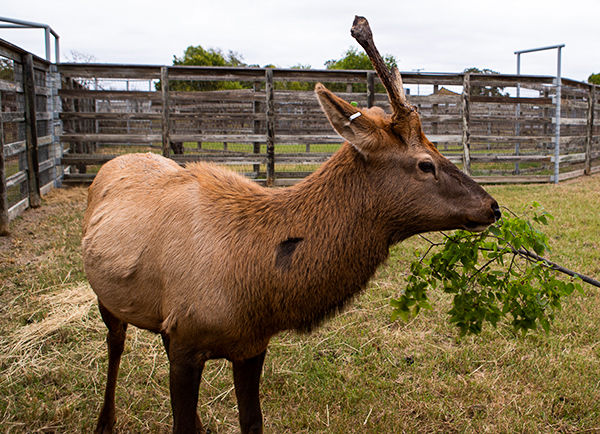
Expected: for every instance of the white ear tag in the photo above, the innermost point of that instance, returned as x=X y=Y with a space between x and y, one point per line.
x=354 y=116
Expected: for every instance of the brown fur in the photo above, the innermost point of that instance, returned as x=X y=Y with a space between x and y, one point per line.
x=219 y=264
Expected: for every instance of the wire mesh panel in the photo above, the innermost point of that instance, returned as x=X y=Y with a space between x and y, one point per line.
x=27 y=126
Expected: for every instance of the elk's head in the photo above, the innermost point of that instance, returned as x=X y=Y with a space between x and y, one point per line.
x=416 y=186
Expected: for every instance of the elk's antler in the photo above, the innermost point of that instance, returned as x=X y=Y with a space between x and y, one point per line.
x=392 y=80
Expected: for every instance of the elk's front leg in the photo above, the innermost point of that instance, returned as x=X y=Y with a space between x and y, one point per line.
x=184 y=380
x=246 y=378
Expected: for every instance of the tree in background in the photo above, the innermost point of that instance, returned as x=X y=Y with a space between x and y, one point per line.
x=594 y=78
x=353 y=59
x=485 y=90
x=294 y=85
x=198 y=56
x=76 y=56
x=211 y=57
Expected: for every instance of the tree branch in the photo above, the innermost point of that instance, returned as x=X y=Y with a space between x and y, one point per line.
x=557 y=267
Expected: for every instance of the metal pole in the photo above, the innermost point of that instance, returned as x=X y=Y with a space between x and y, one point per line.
x=96 y=106
x=56 y=50
x=531 y=50
x=518 y=114
x=418 y=71
x=47 y=42
x=128 y=105
x=466 y=133
x=557 y=128
x=557 y=102
x=21 y=24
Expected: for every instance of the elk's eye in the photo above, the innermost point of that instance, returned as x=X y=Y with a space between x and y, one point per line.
x=427 y=167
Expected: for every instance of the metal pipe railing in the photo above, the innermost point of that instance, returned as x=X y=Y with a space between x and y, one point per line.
x=22 y=24
x=558 y=84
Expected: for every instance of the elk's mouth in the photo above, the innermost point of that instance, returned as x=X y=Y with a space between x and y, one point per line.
x=473 y=226
x=481 y=223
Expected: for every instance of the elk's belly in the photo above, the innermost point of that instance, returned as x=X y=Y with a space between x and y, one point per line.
x=113 y=262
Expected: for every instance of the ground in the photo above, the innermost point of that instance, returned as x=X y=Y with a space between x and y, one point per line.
x=358 y=373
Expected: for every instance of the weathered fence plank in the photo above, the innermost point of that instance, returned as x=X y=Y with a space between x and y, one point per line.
x=33 y=170
x=270 y=136
x=511 y=100
x=165 y=121
x=3 y=182
x=108 y=94
x=126 y=138
x=370 y=88
x=590 y=130
x=256 y=124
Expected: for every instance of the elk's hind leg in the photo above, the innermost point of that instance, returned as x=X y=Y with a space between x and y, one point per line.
x=246 y=378
x=184 y=381
x=115 y=339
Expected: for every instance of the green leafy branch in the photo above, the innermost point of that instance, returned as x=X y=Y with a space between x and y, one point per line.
x=498 y=274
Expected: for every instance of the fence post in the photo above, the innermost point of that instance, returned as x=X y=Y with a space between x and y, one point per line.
x=164 y=87
x=370 y=89
x=3 y=190
x=270 y=138
x=256 y=126
x=33 y=168
x=434 y=112
x=55 y=124
x=466 y=133
x=518 y=116
x=590 y=131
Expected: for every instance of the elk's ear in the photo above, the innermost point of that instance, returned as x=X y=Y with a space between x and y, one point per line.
x=347 y=120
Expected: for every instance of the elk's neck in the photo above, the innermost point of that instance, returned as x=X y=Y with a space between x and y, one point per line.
x=332 y=241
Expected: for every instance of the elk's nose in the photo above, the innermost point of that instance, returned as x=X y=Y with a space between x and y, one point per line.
x=496 y=211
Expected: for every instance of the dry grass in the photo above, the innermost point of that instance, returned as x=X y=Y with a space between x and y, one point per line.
x=358 y=373
x=67 y=308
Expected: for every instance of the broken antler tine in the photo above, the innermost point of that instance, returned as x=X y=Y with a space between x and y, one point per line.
x=361 y=31
x=392 y=81
x=397 y=80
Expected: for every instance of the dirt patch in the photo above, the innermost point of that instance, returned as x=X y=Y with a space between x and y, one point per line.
x=43 y=251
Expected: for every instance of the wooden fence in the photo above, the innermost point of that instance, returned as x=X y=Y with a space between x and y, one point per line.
x=29 y=147
x=267 y=123
x=59 y=123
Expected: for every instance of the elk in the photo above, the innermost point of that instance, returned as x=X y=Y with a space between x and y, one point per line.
x=217 y=264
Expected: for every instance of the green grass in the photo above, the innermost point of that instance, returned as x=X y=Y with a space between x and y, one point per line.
x=477 y=168
x=357 y=373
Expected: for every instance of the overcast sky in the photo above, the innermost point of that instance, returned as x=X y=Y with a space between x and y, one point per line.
x=436 y=35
